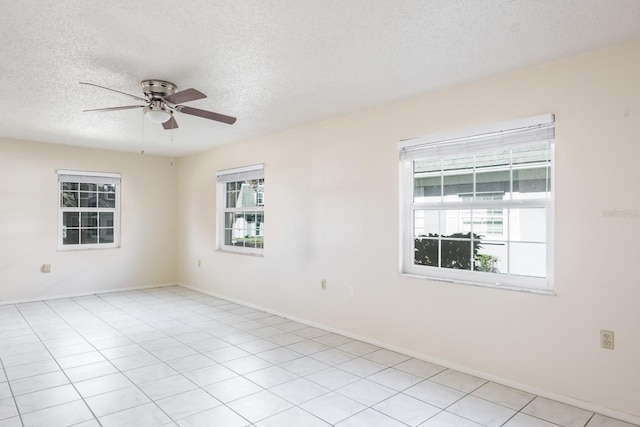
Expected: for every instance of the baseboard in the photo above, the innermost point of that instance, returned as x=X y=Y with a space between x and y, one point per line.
x=85 y=294
x=445 y=363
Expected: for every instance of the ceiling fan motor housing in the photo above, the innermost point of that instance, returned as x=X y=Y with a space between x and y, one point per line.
x=157 y=89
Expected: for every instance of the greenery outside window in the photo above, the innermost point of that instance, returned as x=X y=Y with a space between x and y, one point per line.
x=89 y=210
x=241 y=209
x=477 y=206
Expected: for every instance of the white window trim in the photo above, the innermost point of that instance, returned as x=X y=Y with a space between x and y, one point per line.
x=457 y=141
x=232 y=175
x=93 y=177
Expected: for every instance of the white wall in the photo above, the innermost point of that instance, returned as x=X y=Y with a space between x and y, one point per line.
x=332 y=212
x=29 y=214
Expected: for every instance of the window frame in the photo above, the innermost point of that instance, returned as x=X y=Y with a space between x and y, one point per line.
x=237 y=175
x=88 y=177
x=486 y=139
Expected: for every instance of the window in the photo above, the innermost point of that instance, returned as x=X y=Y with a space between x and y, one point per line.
x=241 y=209
x=89 y=212
x=477 y=206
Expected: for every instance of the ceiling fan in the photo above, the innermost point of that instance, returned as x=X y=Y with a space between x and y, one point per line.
x=162 y=100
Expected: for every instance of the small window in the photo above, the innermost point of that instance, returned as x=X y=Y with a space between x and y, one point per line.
x=89 y=210
x=241 y=209
x=478 y=206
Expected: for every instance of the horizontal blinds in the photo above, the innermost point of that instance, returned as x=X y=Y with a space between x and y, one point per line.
x=88 y=177
x=536 y=129
x=241 y=174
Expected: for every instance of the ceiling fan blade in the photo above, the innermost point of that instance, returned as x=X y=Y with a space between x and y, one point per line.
x=117 y=91
x=126 y=107
x=186 y=95
x=206 y=114
x=170 y=124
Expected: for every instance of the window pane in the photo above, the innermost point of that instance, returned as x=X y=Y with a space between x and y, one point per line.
x=106 y=200
x=528 y=225
x=531 y=183
x=456 y=254
x=426 y=223
x=88 y=235
x=71 y=236
x=493 y=184
x=260 y=224
x=229 y=218
x=248 y=195
x=89 y=219
x=71 y=219
x=457 y=187
x=491 y=257
x=106 y=235
x=107 y=188
x=87 y=186
x=69 y=199
x=488 y=223
x=232 y=197
x=427 y=188
x=88 y=200
x=528 y=259
x=455 y=222
x=106 y=219
x=426 y=252
x=70 y=186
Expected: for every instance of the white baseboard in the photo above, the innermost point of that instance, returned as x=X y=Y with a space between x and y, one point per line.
x=445 y=363
x=85 y=294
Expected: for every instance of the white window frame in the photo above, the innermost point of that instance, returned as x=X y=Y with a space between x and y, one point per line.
x=223 y=177
x=494 y=137
x=98 y=178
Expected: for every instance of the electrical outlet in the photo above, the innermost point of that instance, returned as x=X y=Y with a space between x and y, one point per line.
x=323 y=284
x=606 y=339
x=199 y=263
x=46 y=268
x=350 y=291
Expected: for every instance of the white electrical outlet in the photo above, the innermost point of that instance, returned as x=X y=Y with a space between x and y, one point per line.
x=199 y=263
x=350 y=291
x=323 y=284
x=46 y=268
x=606 y=339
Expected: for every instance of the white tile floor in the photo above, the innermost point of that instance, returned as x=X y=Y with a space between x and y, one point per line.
x=174 y=357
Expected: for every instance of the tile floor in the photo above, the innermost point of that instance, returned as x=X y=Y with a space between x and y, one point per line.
x=174 y=357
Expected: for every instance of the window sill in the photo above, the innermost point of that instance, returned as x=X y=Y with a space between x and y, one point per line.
x=86 y=247
x=549 y=292
x=231 y=251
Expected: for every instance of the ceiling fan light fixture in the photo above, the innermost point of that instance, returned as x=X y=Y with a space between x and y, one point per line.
x=157 y=114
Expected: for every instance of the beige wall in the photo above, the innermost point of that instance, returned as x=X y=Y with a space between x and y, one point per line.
x=29 y=215
x=332 y=212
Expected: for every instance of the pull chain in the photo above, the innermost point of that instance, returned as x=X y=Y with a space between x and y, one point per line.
x=142 y=133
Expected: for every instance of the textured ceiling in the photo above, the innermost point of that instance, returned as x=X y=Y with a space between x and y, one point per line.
x=274 y=64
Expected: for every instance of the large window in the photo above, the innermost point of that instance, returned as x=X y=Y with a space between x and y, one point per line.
x=89 y=210
x=477 y=205
x=241 y=209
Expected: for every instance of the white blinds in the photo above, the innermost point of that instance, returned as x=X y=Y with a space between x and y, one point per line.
x=506 y=135
x=88 y=177
x=241 y=174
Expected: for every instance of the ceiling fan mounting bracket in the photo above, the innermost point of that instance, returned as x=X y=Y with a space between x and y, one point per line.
x=157 y=89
